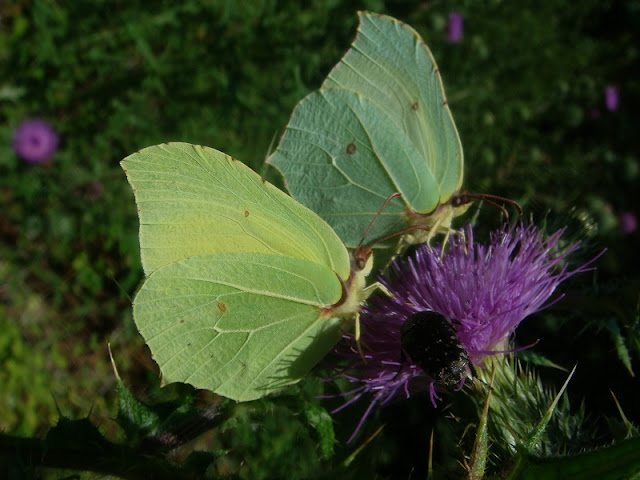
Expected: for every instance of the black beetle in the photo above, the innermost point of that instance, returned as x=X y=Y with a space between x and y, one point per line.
x=431 y=342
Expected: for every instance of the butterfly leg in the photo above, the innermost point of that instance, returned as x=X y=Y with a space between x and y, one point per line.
x=450 y=232
x=444 y=242
x=357 y=335
x=367 y=291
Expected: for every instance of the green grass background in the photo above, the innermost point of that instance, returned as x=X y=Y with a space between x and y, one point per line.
x=526 y=88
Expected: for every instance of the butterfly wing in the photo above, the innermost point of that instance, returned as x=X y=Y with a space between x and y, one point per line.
x=390 y=64
x=343 y=156
x=195 y=200
x=240 y=324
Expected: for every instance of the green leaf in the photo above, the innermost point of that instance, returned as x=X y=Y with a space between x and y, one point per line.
x=617 y=462
x=135 y=417
x=534 y=358
x=322 y=422
x=619 y=341
x=531 y=443
x=76 y=434
x=79 y=445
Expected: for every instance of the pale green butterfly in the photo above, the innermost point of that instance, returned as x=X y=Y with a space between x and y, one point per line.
x=379 y=124
x=246 y=289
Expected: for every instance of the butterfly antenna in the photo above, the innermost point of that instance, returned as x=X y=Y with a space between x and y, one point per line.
x=395 y=234
x=491 y=200
x=384 y=205
x=499 y=207
x=400 y=232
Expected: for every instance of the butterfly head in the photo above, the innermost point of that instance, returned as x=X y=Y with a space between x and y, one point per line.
x=362 y=260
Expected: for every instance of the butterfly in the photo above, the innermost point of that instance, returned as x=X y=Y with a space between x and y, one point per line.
x=380 y=123
x=246 y=289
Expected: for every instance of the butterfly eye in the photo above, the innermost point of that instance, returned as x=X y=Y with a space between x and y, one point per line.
x=459 y=200
x=361 y=257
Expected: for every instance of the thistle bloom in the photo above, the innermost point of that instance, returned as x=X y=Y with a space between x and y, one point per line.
x=628 y=223
x=35 y=141
x=455 y=27
x=484 y=290
x=611 y=97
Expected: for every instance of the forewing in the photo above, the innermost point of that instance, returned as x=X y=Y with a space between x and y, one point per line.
x=194 y=200
x=389 y=64
x=241 y=325
x=342 y=156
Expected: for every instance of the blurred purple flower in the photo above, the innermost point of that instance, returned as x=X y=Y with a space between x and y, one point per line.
x=628 y=223
x=612 y=97
x=485 y=292
x=35 y=141
x=455 y=27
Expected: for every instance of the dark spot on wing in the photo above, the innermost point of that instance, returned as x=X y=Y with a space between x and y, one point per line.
x=351 y=149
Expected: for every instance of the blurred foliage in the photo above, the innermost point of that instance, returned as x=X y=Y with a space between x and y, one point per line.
x=526 y=88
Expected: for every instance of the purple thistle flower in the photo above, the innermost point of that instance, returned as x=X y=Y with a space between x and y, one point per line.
x=485 y=291
x=628 y=223
x=611 y=97
x=35 y=141
x=455 y=27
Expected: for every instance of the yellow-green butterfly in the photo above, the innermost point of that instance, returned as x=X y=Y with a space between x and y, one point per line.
x=379 y=124
x=246 y=289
